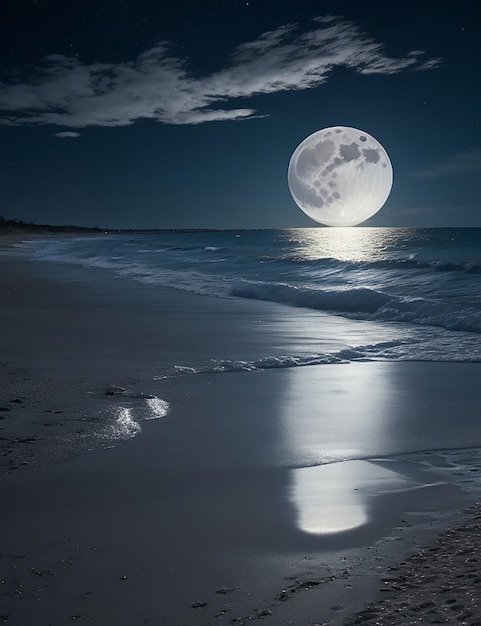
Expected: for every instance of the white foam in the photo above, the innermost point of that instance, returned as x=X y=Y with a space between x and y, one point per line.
x=124 y=425
x=157 y=408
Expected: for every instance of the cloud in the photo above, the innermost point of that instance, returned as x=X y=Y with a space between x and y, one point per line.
x=468 y=162
x=67 y=134
x=63 y=91
x=440 y=209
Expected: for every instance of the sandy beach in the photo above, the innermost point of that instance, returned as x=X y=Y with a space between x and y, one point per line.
x=134 y=493
x=437 y=585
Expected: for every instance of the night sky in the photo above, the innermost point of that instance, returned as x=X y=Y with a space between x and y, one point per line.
x=184 y=113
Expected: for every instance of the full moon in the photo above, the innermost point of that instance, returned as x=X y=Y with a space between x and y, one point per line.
x=340 y=176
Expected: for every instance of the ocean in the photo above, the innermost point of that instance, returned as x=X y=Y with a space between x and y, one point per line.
x=417 y=292
x=343 y=360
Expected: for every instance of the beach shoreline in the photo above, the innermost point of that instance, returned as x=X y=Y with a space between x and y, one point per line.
x=195 y=520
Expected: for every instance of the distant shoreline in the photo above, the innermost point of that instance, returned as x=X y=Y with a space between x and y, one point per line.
x=20 y=227
x=14 y=227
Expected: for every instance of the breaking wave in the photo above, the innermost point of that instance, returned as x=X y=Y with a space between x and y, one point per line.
x=419 y=277
x=395 y=350
x=365 y=303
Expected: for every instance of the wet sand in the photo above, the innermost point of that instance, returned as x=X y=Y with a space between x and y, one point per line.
x=221 y=511
x=436 y=585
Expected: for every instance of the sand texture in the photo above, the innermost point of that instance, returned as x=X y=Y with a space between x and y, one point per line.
x=440 y=584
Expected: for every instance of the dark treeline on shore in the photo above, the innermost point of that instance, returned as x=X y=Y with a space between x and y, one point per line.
x=12 y=227
x=18 y=226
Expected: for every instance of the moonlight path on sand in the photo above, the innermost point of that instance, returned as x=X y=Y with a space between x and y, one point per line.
x=340 y=176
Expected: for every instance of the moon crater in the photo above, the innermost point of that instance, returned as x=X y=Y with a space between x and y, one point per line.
x=340 y=176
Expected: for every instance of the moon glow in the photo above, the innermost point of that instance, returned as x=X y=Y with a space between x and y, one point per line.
x=340 y=176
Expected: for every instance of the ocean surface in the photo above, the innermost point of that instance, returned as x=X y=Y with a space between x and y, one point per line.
x=391 y=317
x=417 y=291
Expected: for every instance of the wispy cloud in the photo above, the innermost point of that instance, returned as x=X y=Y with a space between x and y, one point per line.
x=65 y=92
x=419 y=210
x=68 y=134
x=468 y=162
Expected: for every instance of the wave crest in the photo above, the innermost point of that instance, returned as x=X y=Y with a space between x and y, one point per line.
x=357 y=300
x=369 y=304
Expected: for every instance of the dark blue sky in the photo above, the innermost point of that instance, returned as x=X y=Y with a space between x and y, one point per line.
x=184 y=114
